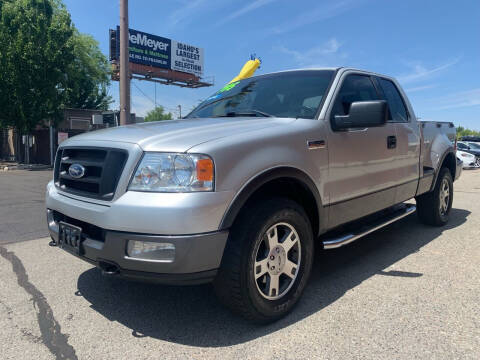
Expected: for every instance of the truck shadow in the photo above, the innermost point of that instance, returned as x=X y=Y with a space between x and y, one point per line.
x=192 y=315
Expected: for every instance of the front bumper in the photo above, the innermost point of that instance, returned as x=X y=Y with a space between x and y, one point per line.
x=146 y=212
x=197 y=257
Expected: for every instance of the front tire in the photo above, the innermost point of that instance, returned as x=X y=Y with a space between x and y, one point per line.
x=433 y=208
x=267 y=260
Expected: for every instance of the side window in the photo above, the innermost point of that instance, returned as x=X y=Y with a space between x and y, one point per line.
x=354 y=88
x=398 y=112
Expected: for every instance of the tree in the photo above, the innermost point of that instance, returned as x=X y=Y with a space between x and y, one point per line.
x=36 y=49
x=461 y=131
x=158 y=114
x=88 y=75
x=46 y=65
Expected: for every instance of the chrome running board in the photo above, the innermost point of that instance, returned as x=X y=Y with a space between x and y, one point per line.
x=342 y=240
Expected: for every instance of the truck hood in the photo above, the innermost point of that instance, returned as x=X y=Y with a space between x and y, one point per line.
x=178 y=135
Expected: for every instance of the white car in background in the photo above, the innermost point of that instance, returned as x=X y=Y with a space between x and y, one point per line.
x=469 y=161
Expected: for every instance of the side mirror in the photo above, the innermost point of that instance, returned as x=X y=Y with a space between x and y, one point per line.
x=363 y=114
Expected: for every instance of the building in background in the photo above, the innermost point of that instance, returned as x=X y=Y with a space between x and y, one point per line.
x=41 y=146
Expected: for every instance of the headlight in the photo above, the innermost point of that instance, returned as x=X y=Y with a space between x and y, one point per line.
x=168 y=172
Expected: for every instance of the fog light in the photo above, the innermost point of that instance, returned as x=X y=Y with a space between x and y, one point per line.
x=152 y=251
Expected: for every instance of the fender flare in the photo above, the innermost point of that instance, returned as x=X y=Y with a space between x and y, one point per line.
x=261 y=179
x=440 y=163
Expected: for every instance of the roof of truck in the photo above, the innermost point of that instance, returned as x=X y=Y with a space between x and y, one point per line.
x=339 y=68
x=304 y=69
x=328 y=68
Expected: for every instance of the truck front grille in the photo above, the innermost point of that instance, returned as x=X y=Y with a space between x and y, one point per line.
x=101 y=168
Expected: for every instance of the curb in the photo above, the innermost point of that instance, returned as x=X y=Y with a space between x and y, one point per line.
x=33 y=167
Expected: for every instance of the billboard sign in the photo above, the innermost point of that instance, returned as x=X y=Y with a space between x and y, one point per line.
x=187 y=58
x=160 y=52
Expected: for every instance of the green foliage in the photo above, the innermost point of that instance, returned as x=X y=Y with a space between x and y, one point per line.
x=88 y=75
x=46 y=65
x=461 y=131
x=158 y=114
x=36 y=48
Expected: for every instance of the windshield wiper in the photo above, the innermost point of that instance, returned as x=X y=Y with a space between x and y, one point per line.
x=251 y=112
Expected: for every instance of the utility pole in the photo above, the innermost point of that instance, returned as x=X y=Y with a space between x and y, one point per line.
x=180 y=111
x=52 y=142
x=124 y=70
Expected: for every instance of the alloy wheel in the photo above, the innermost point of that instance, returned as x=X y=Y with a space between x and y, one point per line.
x=277 y=261
x=444 y=197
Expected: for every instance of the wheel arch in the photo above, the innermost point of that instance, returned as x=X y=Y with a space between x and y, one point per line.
x=288 y=181
x=448 y=161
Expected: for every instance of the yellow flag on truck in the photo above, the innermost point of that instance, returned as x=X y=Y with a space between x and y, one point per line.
x=247 y=70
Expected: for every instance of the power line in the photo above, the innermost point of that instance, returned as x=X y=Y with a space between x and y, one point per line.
x=169 y=109
x=153 y=101
x=146 y=96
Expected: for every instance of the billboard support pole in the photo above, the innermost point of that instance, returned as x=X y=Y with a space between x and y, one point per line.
x=124 y=68
x=52 y=143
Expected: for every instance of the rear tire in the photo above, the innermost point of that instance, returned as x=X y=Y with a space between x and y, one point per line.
x=267 y=260
x=434 y=207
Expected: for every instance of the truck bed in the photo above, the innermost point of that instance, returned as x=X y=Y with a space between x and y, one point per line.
x=435 y=135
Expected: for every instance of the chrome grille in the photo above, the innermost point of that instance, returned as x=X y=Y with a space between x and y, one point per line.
x=102 y=170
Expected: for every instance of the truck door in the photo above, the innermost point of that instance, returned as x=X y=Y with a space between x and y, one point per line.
x=408 y=140
x=362 y=169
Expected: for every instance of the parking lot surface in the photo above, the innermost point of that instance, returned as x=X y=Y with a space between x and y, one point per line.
x=408 y=291
x=22 y=209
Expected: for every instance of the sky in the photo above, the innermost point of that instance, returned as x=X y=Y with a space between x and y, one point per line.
x=431 y=46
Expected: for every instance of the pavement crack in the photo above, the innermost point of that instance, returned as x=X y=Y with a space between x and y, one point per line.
x=52 y=336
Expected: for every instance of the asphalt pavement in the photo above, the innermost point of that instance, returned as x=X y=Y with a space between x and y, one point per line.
x=407 y=291
x=22 y=205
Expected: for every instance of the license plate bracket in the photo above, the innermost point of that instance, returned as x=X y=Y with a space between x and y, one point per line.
x=69 y=237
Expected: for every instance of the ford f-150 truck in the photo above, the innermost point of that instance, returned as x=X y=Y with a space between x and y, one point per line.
x=241 y=190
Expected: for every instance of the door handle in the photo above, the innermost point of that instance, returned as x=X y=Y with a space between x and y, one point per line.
x=391 y=142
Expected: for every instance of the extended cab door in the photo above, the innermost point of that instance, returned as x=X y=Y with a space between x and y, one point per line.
x=362 y=169
x=408 y=140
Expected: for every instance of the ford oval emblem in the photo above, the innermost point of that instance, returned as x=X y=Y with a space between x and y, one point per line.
x=76 y=171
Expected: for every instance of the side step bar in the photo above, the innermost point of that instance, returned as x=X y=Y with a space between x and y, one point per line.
x=342 y=240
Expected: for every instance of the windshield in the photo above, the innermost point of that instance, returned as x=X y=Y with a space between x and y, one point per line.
x=295 y=94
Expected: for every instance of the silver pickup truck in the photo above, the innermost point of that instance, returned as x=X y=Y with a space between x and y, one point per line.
x=242 y=190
